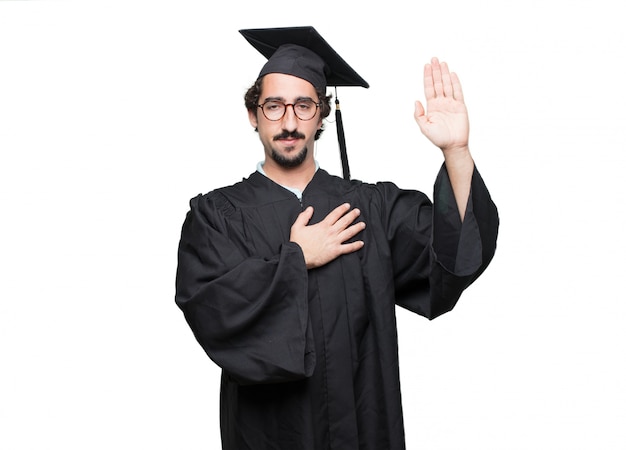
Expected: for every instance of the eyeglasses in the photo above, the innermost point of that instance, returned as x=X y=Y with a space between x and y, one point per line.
x=303 y=109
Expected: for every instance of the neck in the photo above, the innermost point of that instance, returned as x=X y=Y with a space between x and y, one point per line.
x=293 y=177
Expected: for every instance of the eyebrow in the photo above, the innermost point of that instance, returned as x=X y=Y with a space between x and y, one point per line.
x=282 y=99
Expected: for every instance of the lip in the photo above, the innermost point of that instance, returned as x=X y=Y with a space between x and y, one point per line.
x=289 y=141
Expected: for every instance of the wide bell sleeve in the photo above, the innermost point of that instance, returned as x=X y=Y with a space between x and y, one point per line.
x=436 y=255
x=249 y=313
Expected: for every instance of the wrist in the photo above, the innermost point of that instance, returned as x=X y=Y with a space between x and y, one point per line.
x=456 y=151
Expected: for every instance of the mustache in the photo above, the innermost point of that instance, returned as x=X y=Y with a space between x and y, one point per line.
x=289 y=134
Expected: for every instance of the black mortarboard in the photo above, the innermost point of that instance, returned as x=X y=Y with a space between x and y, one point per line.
x=302 y=52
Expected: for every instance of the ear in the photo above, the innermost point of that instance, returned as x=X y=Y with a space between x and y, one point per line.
x=253 y=118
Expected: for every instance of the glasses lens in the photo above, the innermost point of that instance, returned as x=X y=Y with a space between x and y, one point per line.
x=274 y=110
x=305 y=109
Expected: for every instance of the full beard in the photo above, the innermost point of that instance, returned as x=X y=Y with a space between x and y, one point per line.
x=286 y=161
x=289 y=162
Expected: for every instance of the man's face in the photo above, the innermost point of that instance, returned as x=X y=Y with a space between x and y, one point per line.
x=290 y=140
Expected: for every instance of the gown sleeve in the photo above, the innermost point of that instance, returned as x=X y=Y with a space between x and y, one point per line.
x=438 y=256
x=249 y=314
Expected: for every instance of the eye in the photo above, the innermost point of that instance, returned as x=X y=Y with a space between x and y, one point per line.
x=273 y=106
x=304 y=106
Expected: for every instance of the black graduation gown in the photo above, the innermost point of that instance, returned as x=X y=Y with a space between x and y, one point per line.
x=309 y=358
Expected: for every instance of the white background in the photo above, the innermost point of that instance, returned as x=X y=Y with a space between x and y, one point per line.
x=113 y=114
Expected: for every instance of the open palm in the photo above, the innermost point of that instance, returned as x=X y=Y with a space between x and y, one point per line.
x=444 y=121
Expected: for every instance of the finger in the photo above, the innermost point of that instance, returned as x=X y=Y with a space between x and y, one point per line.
x=351 y=231
x=337 y=213
x=351 y=247
x=437 y=80
x=348 y=218
x=429 y=89
x=456 y=87
x=446 y=80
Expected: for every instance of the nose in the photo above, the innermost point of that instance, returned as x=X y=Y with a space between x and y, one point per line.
x=290 y=120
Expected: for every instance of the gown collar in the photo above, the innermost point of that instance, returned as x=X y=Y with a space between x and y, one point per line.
x=296 y=192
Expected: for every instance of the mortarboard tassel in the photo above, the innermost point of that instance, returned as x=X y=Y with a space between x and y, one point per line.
x=342 y=139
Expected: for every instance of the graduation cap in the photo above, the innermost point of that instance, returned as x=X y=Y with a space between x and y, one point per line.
x=302 y=52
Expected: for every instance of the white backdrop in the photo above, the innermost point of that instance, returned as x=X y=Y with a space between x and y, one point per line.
x=113 y=114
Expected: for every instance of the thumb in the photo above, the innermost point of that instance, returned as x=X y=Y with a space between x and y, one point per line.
x=419 y=113
x=304 y=217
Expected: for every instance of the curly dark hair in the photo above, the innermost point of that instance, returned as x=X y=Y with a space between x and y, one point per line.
x=251 y=99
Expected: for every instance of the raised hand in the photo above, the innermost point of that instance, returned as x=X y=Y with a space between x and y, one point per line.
x=325 y=241
x=444 y=121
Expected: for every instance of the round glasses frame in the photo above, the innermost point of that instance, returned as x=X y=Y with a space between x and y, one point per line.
x=279 y=109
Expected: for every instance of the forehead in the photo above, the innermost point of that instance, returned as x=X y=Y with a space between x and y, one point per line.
x=286 y=86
